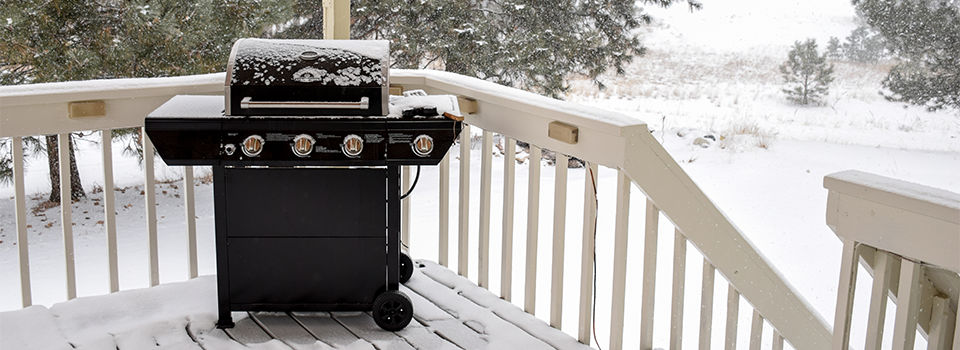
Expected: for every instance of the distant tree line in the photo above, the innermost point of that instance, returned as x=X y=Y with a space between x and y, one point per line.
x=533 y=44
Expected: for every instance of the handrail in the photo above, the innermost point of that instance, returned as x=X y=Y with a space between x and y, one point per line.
x=907 y=236
x=605 y=138
x=930 y=215
x=630 y=147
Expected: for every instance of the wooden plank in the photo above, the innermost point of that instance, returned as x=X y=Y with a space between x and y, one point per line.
x=679 y=278
x=559 y=231
x=150 y=207
x=908 y=305
x=878 y=300
x=362 y=325
x=533 y=222
x=326 y=328
x=651 y=228
x=587 y=252
x=109 y=208
x=286 y=329
x=756 y=330
x=845 y=290
x=940 y=334
x=246 y=331
x=506 y=252
x=463 y=240
x=733 y=309
x=486 y=157
x=444 y=212
x=189 y=205
x=23 y=251
x=619 y=261
x=777 y=341
x=424 y=310
x=405 y=209
x=706 y=305
x=66 y=217
x=485 y=313
x=421 y=337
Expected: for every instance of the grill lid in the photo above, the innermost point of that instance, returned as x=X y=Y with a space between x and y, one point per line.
x=308 y=77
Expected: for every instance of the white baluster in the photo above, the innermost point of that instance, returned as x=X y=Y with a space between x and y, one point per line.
x=109 y=208
x=533 y=222
x=150 y=206
x=486 y=156
x=878 y=299
x=66 y=210
x=649 y=275
x=463 y=240
x=908 y=306
x=506 y=267
x=706 y=305
x=23 y=251
x=559 y=231
x=619 y=261
x=443 y=231
x=587 y=251
x=679 y=276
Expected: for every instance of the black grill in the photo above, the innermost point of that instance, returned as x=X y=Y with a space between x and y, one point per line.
x=306 y=150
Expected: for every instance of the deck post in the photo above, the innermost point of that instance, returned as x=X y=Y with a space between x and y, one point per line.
x=336 y=19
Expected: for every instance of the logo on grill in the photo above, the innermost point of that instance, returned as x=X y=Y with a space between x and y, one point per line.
x=309 y=75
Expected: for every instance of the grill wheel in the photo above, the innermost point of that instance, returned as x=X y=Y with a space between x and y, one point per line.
x=406 y=268
x=392 y=310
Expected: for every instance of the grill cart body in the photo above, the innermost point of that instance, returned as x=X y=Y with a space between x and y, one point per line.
x=306 y=175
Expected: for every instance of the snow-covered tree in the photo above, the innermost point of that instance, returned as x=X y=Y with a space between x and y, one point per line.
x=925 y=36
x=834 y=49
x=48 y=41
x=534 y=44
x=806 y=73
x=864 y=45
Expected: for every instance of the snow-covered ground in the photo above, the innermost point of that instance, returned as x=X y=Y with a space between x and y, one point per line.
x=711 y=72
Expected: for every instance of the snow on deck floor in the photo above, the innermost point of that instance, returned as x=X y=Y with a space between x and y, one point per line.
x=450 y=312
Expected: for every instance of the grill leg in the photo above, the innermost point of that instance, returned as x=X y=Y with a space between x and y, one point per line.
x=393 y=227
x=220 y=222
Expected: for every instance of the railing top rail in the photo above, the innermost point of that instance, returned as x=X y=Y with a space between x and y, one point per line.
x=480 y=89
x=930 y=201
x=26 y=94
x=918 y=222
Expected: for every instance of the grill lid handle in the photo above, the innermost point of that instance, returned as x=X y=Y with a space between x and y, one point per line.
x=248 y=103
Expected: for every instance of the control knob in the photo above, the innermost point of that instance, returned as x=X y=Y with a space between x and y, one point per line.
x=252 y=145
x=352 y=145
x=303 y=145
x=422 y=145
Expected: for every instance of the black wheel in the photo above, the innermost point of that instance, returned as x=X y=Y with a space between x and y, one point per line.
x=392 y=310
x=406 y=268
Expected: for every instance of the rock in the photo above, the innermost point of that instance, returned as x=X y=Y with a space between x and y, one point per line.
x=711 y=137
x=702 y=142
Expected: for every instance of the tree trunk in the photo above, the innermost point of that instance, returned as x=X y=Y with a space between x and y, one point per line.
x=53 y=161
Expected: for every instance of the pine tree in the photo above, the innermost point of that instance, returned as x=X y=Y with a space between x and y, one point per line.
x=533 y=44
x=49 y=41
x=925 y=36
x=864 y=45
x=806 y=73
x=834 y=49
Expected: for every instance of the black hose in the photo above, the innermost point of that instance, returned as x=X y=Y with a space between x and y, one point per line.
x=412 y=186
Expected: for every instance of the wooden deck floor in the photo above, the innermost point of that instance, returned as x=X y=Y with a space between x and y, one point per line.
x=450 y=312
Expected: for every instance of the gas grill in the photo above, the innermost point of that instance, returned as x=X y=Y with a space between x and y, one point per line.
x=306 y=149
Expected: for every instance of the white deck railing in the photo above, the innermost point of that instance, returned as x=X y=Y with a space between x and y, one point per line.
x=605 y=139
x=908 y=237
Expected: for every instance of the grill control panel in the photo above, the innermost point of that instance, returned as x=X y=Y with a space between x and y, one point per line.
x=303 y=141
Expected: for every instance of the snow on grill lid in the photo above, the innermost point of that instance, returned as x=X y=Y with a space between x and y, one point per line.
x=313 y=62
